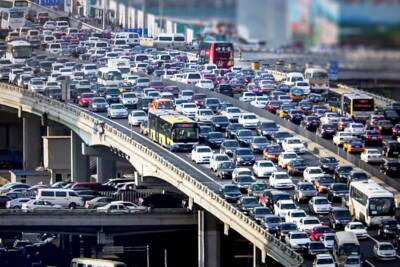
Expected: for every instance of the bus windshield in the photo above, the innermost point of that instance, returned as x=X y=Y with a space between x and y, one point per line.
x=6 y=4
x=21 y=51
x=350 y=250
x=16 y=14
x=381 y=206
x=363 y=104
x=20 y=3
x=185 y=133
x=112 y=75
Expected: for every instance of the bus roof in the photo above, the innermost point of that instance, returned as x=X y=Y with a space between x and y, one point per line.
x=104 y=69
x=19 y=43
x=358 y=96
x=171 y=116
x=371 y=189
x=343 y=237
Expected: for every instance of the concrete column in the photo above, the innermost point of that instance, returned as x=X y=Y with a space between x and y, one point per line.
x=60 y=130
x=75 y=246
x=106 y=169
x=79 y=162
x=257 y=257
x=32 y=142
x=209 y=240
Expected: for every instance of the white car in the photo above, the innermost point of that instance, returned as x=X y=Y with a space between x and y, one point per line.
x=286 y=157
x=128 y=99
x=285 y=99
x=36 y=85
x=297 y=239
x=189 y=110
x=282 y=207
x=294 y=216
x=16 y=203
x=319 y=205
x=191 y=78
x=217 y=159
x=328 y=239
x=232 y=113
x=248 y=120
x=186 y=95
x=330 y=118
x=136 y=117
x=54 y=48
x=260 y=102
x=117 y=111
x=204 y=115
x=264 y=168
x=371 y=155
x=308 y=223
x=384 y=251
x=247 y=97
x=115 y=208
x=241 y=171
x=280 y=180
x=324 y=260
x=40 y=205
x=205 y=84
x=310 y=174
x=293 y=144
x=201 y=154
x=303 y=85
x=130 y=205
x=342 y=137
x=355 y=128
x=357 y=228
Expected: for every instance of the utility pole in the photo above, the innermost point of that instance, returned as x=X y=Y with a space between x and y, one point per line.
x=104 y=14
x=144 y=7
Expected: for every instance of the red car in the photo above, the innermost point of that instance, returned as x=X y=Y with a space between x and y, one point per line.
x=171 y=89
x=85 y=98
x=318 y=231
x=273 y=106
x=198 y=99
x=210 y=76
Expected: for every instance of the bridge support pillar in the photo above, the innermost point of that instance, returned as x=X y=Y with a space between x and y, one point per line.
x=106 y=169
x=209 y=240
x=31 y=142
x=257 y=257
x=75 y=246
x=79 y=162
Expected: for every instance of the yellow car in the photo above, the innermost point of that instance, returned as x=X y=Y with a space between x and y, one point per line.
x=354 y=146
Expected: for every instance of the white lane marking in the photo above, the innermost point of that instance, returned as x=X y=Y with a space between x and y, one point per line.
x=367 y=261
x=373 y=239
x=163 y=148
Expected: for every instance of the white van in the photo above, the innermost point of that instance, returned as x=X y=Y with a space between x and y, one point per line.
x=100 y=45
x=191 y=78
x=63 y=197
x=54 y=48
x=293 y=77
x=169 y=40
x=141 y=58
x=131 y=37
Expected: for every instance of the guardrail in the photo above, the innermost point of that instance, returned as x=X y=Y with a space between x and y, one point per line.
x=89 y=211
x=201 y=194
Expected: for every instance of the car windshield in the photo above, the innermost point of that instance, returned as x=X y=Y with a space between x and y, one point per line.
x=321 y=201
x=340 y=187
x=221 y=158
x=359 y=176
x=290 y=156
x=311 y=221
x=345 y=169
x=227 y=165
x=328 y=160
x=259 y=187
x=220 y=119
x=306 y=187
x=273 y=220
x=350 y=249
x=249 y=200
x=288 y=206
x=315 y=171
x=231 y=189
x=298 y=214
x=288 y=227
x=317 y=245
x=299 y=236
x=266 y=164
x=243 y=133
x=282 y=135
x=262 y=211
x=244 y=152
x=260 y=140
x=357 y=226
x=324 y=261
x=325 y=180
x=245 y=179
x=204 y=150
x=281 y=176
x=386 y=247
x=215 y=135
x=294 y=141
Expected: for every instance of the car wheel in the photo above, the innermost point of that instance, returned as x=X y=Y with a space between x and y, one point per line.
x=72 y=206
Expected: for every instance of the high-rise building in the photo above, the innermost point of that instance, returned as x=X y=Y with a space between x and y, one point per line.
x=263 y=20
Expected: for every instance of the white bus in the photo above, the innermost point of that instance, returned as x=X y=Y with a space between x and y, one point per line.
x=87 y=262
x=18 y=51
x=109 y=76
x=122 y=64
x=19 y=4
x=370 y=203
x=12 y=19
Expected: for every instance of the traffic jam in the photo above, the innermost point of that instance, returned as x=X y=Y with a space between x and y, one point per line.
x=332 y=213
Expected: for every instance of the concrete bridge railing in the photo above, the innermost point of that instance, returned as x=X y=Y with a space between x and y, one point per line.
x=83 y=124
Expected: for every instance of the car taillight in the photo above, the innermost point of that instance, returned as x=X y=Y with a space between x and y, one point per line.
x=379 y=137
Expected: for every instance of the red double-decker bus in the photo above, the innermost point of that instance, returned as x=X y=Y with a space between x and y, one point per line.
x=217 y=52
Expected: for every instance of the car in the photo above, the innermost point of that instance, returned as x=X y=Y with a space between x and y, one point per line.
x=342 y=137
x=201 y=154
x=212 y=103
x=117 y=111
x=248 y=203
x=219 y=123
x=280 y=180
x=328 y=239
x=16 y=203
x=224 y=169
x=308 y=223
x=385 y=127
x=341 y=173
x=258 y=144
x=388 y=228
x=115 y=208
x=232 y=129
x=355 y=128
x=271 y=223
x=131 y=206
x=129 y=99
x=391 y=168
x=357 y=228
x=259 y=213
x=279 y=136
x=98 y=104
x=188 y=109
x=136 y=117
x=312 y=173
x=232 y=113
x=285 y=157
x=328 y=164
x=315 y=248
x=217 y=158
x=317 y=231
x=293 y=144
x=356 y=175
x=272 y=152
x=319 y=205
x=256 y=189
x=326 y=131
x=384 y=251
x=97 y=202
x=371 y=155
x=214 y=139
x=241 y=171
x=323 y=182
x=40 y=205
x=391 y=149
x=337 y=191
x=294 y=216
x=270 y=196
x=284 y=228
x=296 y=167
x=36 y=85
x=260 y=102
x=229 y=146
x=273 y=105
x=282 y=207
x=267 y=128
x=297 y=240
x=248 y=120
x=230 y=192
x=324 y=260
x=247 y=97
x=311 y=123
x=85 y=99
x=243 y=182
x=264 y=168
x=244 y=137
x=304 y=191
x=204 y=115
x=243 y=157
x=372 y=137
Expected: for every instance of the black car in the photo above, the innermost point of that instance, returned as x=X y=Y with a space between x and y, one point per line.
x=391 y=115
x=229 y=146
x=246 y=204
x=214 y=139
x=3 y=201
x=244 y=137
x=314 y=248
x=328 y=164
x=267 y=128
x=219 y=123
x=243 y=157
x=385 y=126
x=391 y=168
x=258 y=144
x=259 y=213
x=232 y=129
x=337 y=191
x=225 y=169
x=212 y=103
x=341 y=172
x=112 y=95
x=279 y=136
x=225 y=89
x=356 y=175
x=326 y=131
x=391 y=149
x=311 y=123
x=372 y=137
x=388 y=228
x=230 y=193
x=296 y=116
x=284 y=228
x=339 y=217
x=203 y=132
